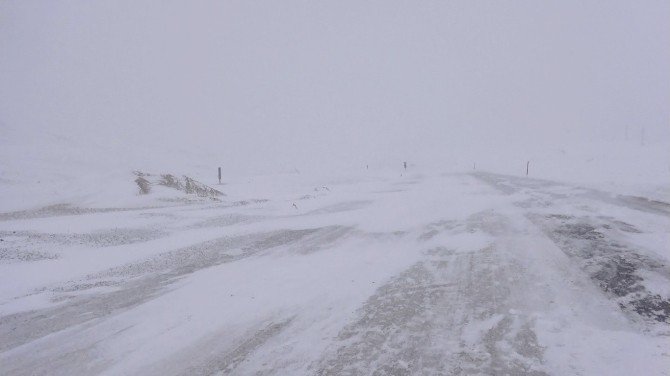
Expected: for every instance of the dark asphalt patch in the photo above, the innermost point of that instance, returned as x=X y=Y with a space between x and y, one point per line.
x=613 y=265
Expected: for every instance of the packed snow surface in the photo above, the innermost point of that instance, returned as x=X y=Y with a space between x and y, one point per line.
x=374 y=274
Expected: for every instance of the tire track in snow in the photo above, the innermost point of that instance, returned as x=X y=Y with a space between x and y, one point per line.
x=448 y=314
x=139 y=282
x=597 y=243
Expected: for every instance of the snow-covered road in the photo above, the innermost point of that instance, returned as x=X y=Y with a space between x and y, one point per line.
x=431 y=275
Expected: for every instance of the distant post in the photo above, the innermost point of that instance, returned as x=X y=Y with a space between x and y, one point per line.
x=527 y=165
x=219 y=175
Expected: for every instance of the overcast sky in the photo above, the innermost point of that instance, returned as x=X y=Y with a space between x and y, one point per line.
x=283 y=83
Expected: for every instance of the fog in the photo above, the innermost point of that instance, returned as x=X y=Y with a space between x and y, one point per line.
x=281 y=85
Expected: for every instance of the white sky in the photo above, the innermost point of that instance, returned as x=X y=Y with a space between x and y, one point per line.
x=267 y=84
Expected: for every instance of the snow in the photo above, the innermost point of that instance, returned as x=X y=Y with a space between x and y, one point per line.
x=211 y=287
x=377 y=214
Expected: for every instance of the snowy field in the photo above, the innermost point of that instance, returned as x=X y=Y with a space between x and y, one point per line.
x=430 y=274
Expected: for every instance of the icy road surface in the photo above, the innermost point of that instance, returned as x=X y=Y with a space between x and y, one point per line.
x=415 y=275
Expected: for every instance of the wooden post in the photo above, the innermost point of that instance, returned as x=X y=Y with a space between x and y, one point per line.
x=527 y=165
x=219 y=175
